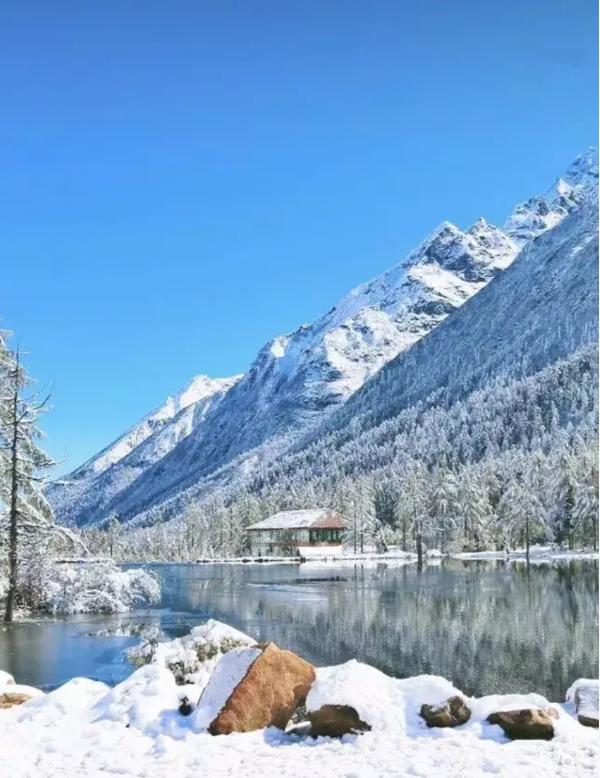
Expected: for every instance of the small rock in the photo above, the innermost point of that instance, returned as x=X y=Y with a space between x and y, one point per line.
x=335 y=721
x=185 y=708
x=9 y=699
x=526 y=724
x=451 y=713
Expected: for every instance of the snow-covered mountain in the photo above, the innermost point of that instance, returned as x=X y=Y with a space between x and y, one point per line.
x=88 y=489
x=535 y=216
x=507 y=380
x=298 y=379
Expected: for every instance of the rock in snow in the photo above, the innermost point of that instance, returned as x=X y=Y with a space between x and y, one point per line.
x=252 y=688
x=526 y=724
x=336 y=721
x=451 y=713
x=17 y=694
x=584 y=695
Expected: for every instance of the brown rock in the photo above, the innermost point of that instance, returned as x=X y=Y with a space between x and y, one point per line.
x=8 y=699
x=451 y=713
x=526 y=724
x=335 y=721
x=275 y=684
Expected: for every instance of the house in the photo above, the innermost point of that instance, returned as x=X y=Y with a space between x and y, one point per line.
x=284 y=533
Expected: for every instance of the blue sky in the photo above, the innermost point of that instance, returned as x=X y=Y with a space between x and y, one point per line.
x=181 y=181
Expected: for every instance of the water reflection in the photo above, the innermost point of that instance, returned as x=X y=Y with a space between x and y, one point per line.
x=485 y=625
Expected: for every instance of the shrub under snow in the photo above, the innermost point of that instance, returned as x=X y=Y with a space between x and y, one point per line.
x=193 y=657
x=96 y=588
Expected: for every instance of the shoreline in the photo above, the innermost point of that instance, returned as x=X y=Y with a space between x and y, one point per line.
x=537 y=555
x=139 y=728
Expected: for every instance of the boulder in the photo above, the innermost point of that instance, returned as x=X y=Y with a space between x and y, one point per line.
x=335 y=721
x=9 y=699
x=451 y=713
x=584 y=694
x=526 y=724
x=252 y=688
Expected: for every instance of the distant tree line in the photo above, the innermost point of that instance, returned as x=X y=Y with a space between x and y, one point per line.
x=510 y=465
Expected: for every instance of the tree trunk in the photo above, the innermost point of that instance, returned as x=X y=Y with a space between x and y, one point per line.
x=527 y=539
x=419 y=551
x=14 y=485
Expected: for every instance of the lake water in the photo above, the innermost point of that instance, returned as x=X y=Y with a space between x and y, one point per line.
x=485 y=625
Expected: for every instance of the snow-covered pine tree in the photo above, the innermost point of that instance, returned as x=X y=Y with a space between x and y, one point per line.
x=445 y=505
x=474 y=509
x=521 y=515
x=26 y=522
x=414 y=509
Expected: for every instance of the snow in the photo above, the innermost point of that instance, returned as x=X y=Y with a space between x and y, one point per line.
x=6 y=679
x=20 y=688
x=299 y=519
x=539 y=214
x=537 y=554
x=385 y=703
x=86 y=729
x=579 y=685
x=583 y=694
x=140 y=699
x=230 y=670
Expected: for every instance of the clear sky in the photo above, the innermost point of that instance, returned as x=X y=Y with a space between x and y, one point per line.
x=181 y=181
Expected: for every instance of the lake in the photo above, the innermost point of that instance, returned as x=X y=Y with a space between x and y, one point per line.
x=486 y=625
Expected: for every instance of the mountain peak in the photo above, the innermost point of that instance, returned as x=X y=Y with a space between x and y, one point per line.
x=198 y=388
x=583 y=171
x=538 y=214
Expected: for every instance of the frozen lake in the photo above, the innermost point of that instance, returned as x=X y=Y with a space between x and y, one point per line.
x=485 y=625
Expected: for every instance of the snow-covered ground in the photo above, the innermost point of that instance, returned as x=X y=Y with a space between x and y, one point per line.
x=345 y=554
x=84 y=728
x=536 y=553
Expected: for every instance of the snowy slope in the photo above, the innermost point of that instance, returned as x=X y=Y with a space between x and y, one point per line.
x=539 y=214
x=542 y=309
x=88 y=490
x=298 y=379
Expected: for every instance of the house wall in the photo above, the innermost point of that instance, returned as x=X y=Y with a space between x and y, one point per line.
x=286 y=542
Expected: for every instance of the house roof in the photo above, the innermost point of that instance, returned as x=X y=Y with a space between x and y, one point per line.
x=316 y=518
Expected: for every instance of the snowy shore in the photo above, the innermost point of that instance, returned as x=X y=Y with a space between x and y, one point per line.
x=393 y=556
x=135 y=729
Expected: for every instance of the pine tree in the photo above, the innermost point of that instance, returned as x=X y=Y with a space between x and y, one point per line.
x=27 y=517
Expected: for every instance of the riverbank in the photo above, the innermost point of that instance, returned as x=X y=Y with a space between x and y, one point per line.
x=394 y=556
x=136 y=729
